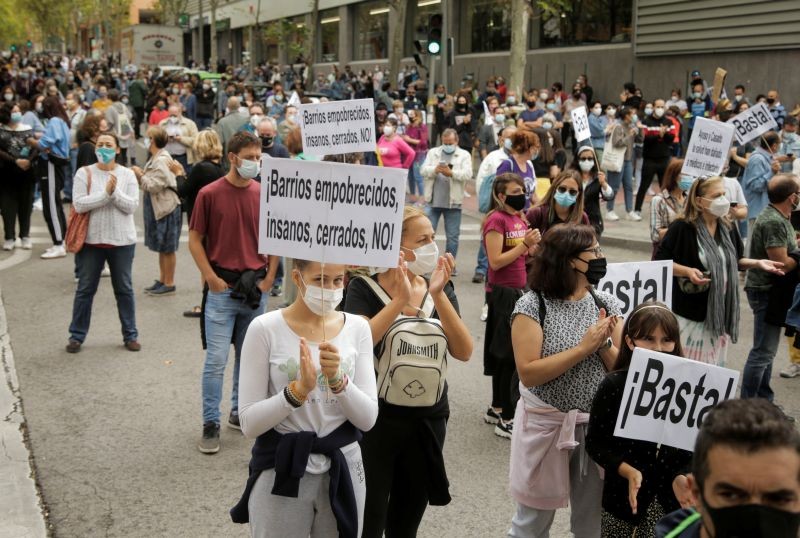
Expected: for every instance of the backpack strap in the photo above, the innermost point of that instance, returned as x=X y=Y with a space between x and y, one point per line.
x=379 y=292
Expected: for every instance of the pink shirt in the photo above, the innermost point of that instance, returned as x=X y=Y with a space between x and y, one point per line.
x=395 y=153
x=513 y=229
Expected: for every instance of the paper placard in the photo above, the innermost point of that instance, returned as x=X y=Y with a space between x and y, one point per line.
x=719 y=84
x=667 y=397
x=634 y=283
x=338 y=127
x=707 y=153
x=331 y=212
x=580 y=124
x=752 y=123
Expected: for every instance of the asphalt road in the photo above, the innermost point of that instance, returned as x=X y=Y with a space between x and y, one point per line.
x=114 y=433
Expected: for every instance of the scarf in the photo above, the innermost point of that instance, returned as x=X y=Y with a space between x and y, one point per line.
x=723 y=297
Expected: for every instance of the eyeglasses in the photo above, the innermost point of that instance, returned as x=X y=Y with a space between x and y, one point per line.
x=572 y=192
x=598 y=252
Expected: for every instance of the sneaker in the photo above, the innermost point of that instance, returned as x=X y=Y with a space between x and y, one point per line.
x=634 y=216
x=611 y=216
x=106 y=271
x=275 y=291
x=37 y=205
x=156 y=284
x=484 y=312
x=57 y=251
x=454 y=273
x=133 y=345
x=491 y=416
x=477 y=278
x=504 y=428
x=73 y=346
x=8 y=244
x=162 y=290
x=18 y=242
x=26 y=243
x=233 y=421
x=793 y=370
x=209 y=443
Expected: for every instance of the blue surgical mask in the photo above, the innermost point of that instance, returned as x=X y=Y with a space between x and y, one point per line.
x=248 y=169
x=551 y=106
x=547 y=125
x=449 y=149
x=565 y=199
x=105 y=155
x=508 y=144
x=16 y=117
x=635 y=119
x=535 y=156
x=685 y=183
x=499 y=118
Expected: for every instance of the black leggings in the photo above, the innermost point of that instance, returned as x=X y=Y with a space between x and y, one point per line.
x=16 y=203
x=650 y=168
x=51 y=181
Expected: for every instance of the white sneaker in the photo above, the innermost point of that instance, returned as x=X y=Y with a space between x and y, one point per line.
x=106 y=271
x=37 y=205
x=8 y=244
x=611 y=216
x=484 y=312
x=18 y=242
x=27 y=244
x=634 y=216
x=57 y=251
x=793 y=370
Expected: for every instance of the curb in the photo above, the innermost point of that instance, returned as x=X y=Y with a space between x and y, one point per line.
x=22 y=514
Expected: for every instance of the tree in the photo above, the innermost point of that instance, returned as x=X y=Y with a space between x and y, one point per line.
x=212 y=63
x=170 y=10
x=12 y=27
x=398 y=10
x=312 y=39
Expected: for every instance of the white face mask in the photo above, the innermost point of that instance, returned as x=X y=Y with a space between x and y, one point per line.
x=586 y=164
x=388 y=130
x=719 y=207
x=611 y=112
x=648 y=111
x=659 y=111
x=248 y=169
x=426 y=258
x=597 y=111
x=255 y=119
x=321 y=301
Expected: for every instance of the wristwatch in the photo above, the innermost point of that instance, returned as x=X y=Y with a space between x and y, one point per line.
x=608 y=344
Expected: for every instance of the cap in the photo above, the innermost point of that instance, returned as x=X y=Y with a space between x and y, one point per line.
x=695 y=73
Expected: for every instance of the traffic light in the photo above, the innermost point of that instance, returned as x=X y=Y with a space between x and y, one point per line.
x=29 y=44
x=435 y=34
x=13 y=48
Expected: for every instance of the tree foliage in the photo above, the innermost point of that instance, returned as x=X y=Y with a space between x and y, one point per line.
x=170 y=10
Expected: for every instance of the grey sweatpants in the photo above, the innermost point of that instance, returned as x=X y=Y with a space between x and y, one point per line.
x=585 y=496
x=310 y=514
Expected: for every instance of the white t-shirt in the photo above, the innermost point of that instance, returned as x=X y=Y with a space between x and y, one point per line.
x=734 y=192
x=271 y=359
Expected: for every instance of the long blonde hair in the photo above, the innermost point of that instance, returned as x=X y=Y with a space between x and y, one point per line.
x=207 y=146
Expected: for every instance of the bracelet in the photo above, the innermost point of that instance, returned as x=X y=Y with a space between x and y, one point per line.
x=339 y=386
x=292 y=397
x=526 y=244
x=336 y=379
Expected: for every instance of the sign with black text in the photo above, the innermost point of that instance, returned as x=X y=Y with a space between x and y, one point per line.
x=707 y=153
x=637 y=282
x=666 y=398
x=752 y=123
x=331 y=212
x=580 y=124
x=338 y=127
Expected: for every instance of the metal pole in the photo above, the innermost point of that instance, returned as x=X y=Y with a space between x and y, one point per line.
x=445 y=44
x=432 y=96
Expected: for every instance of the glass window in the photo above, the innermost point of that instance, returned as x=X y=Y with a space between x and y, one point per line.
x=329 y=35
x=419 y=13
x=372 y=30
x=488 y=24
x=585 y=22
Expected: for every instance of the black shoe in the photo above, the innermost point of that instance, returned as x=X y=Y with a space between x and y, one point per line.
x=162 y=290
x=156 y=284
x=477 y=278
x=73 y=346
x=233 y=421
x=209 y=443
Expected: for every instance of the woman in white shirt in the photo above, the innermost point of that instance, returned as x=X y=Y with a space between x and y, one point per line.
x=306 y=392
x=109 y=192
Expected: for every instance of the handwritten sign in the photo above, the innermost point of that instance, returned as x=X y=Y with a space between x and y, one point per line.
x=707 y=153
x=580 y=124
x=752 y=123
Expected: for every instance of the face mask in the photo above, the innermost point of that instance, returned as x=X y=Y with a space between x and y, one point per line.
x=500 y=118
x=685 y=183
x=565 y=199
x=551 y=106
x=266 y=141
x=124 y=100
x=16 y=117
x=511 y=100
x=291 y=117
x=255 y=120
x=321 y=301
x=279 y=98
x=796 y=205
x=388 y=130
x=635 y=119
x=595 y=271
x=449 y=149
x=648 y=111
x=206 y=87
x=507 y=143
x=658 y=112
x=754 y=520
x=248 y=169
x=586 y=164
x=161 y=107
x=770 y=101
x=738 y=98
x=547 y=125
x=9 y=96
x=611 y=112
x=534 y=156
x=515 y=201
x=531 y=104
x=105 y=155
x=461 y=107
x=426 y=258
x=543 y=96
x=440 y=95
x=576 y=95
x=597 y=111
x=719 y=207
x=696 y=95
x=674 y=98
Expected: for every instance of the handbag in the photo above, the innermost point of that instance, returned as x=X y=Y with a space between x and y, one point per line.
x=613 y=157
x=78 y=223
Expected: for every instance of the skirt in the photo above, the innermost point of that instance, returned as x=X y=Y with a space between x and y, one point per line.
x=161 y=235
x=700 y=345
x=611 y=527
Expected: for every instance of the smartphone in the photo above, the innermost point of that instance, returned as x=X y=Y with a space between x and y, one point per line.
x=734 y=204
x=450 y=166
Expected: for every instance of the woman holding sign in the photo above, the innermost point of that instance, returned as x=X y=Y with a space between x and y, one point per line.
x=306 y=391
x=565 y=337
x=643 y=480
x=416 y=326
x=707 y=254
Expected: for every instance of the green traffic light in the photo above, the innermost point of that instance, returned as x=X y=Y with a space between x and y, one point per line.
x=434 y=47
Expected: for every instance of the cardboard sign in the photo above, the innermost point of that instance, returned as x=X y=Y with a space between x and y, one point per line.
x=719 y=84
x=338 y=127
x=667 y=397
x=707 y=153
x=752 y=123
x=331 y=212
x=580 y=124
x=634 y=283
x=488 y=119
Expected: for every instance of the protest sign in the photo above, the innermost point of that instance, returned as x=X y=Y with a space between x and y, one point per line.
x=719 y=84
x=666 y=398
x=752 y=123
x=580 y=124
x=707 y=153
x=338 y=127
x=331 y=212
x=294 y=100
x=637 y=282
x=488 y=119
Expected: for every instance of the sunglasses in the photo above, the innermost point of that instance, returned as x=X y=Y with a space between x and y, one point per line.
x=572 y=192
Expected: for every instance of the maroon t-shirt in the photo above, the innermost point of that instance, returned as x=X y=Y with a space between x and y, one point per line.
x=228 y=218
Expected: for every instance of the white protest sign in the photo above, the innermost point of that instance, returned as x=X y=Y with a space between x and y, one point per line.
x=707 y=153
x=752 y=123
x=637 y=282
x=294 y=100
x=331 y=212
x=666 y=398
x=580 y=124
x=338 y=127
x=487 y=116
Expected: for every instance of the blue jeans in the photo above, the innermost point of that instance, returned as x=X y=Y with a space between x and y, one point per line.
x=204 y=123
x=452 y=225
x=416 y=183
x=766 y=339
x=89 y=263
x=483 y=261
x=624 y=178
x=226 y=321
x=70 y=174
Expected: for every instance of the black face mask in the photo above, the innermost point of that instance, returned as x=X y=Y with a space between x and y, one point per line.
x=752 y=521
x=515 y=201
x=596 y=270
x=770 y=101
x=461 y=108
x=531 y=104
x=266 y=141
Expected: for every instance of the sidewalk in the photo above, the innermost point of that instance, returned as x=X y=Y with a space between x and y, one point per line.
x=622 y=234
x=20 y=509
